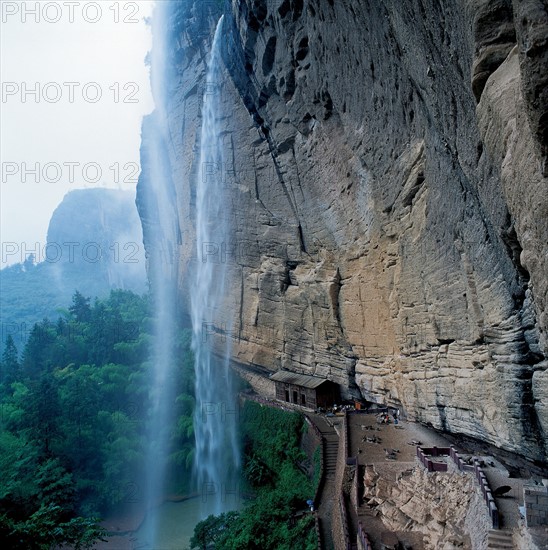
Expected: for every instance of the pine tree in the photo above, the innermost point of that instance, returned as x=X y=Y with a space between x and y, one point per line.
x=10 y=371
x=80 y=308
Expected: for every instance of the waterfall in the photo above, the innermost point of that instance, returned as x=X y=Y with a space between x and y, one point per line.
x=161 y=214
x=216 y=463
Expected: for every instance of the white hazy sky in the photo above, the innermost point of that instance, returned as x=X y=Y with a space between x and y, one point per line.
x=99 y=46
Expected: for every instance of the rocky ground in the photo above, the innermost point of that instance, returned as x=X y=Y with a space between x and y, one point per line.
x=429 y=511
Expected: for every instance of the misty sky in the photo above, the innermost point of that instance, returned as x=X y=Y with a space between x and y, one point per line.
x=88 y=59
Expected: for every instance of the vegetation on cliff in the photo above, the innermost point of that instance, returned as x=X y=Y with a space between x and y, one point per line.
x=273 y=470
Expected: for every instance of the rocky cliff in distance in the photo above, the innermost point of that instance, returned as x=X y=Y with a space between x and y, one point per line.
x=94 y=245
x=386 y=188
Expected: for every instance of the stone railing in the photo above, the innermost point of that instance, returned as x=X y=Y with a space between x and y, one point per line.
x=487 y=494
x=481 y=478
x=342 y=454
x=424 y=452
x=318 y=531
x=341 y=538
x=319 y=438
x=355 y=488
x=363 y=540
x=321 y=480
x=461 y=465
x=342 y=534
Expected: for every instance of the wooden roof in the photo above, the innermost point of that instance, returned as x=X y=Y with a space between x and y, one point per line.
x=303 y=380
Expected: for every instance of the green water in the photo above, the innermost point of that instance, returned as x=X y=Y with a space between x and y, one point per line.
x=176 y=522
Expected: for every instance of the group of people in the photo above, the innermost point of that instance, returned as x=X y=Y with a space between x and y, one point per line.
x=384 y=418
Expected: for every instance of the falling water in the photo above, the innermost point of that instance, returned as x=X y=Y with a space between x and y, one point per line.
x=216 y=462
x=162 y=271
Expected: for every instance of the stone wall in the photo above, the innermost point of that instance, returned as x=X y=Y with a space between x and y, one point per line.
x=536 y=505
x=340 y=518
x=446 y=508
x=312 y=440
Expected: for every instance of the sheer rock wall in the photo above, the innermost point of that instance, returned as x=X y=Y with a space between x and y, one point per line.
x=385 y=176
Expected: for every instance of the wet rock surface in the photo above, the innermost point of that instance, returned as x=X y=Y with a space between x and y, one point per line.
x=385 y=170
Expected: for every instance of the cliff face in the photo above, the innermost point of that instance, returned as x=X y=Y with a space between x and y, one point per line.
x=95 y=240
x=386 y=189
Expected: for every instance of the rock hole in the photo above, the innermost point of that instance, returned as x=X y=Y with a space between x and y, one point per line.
x=302 y=49
x=514 y=248
x=328 y=105
x=289 y=85
x=284 y=9
x=269 y=55
x=297 y=9
x=479 y=151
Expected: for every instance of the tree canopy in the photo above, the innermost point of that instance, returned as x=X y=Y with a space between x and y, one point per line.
x=75 y=416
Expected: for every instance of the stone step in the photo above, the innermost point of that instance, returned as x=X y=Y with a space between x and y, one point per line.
x=500 y=540
x=500 y=534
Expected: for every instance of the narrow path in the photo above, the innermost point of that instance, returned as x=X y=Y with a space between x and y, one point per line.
x=325 y=506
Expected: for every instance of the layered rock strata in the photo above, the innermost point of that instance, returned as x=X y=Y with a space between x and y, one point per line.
x=386 y=181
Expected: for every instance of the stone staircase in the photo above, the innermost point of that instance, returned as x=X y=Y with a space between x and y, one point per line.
x=500 y=539
x=325 y=506
x=331 y=442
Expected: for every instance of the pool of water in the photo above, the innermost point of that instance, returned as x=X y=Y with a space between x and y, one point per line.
x=176 y=522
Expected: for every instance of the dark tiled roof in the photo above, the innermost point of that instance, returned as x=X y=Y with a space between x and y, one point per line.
x=303 y=380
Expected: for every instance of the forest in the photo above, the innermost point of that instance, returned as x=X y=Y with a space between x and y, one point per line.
x=75 y=409
x=74 y=416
